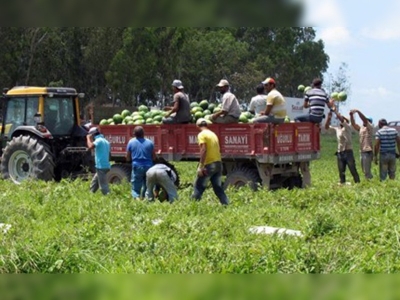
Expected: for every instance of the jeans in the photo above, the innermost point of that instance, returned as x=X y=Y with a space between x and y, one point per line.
x=269 y=119
x=214 y=174
x=138 y=180
x=309 y=118
x=387 y=164
x=346 y=158
x=162 y=179
x=100 y=181
x=366 y=163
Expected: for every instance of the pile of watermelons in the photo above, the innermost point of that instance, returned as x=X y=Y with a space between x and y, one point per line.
x=144 y=115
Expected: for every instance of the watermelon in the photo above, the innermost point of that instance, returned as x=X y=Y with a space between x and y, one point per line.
x=301 y=88
x=149 y=121
x=307 y=89
x=194 y=104
x=243 y=118
x=143 y=108
x=139 y=122
x=198 y=115
x=204 y=104
x=211 y=107
x=157 y=118
x=118 y=119
x=109 y=121
x=104 y=122
x=342 y=96
x=334 y=96
x=125 y=113
x=207 y=112
x=136 y=118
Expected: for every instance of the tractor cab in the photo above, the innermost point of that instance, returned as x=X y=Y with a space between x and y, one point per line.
x=42 y=122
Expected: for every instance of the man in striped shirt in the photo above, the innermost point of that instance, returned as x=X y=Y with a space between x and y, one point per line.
x=386 y=140
x=315 y=99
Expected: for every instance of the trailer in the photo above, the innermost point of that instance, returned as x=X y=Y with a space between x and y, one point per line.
x=269 y=155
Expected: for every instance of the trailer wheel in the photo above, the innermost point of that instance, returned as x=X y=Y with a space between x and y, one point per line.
x=240 y=177
x=118 y=173
x=27 y=157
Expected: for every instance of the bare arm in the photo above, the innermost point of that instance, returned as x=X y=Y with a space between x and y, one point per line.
x=376 y=149
x=328 y=121
x=353 y=122
x=219 y=113
x=128 y=156
x=203 y=153
x=89 y=141
x=362 y=116
x=339 y=116
x=174 y=109
x=306 y=104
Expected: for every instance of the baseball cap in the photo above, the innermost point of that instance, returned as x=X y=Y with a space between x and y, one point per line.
x=201 y=122
x=94 y=131
x=269 y=80
x=223 y=82
x=370 y=119
x=178 y=84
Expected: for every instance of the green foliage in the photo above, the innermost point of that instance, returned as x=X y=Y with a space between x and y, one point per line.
x=63 y=228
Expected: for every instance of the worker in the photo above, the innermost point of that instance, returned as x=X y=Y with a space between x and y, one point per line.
x=180 y=112
x=162 y=177
x=230 y=111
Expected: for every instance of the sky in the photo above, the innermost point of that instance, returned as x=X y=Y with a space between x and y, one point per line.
x=366 y=36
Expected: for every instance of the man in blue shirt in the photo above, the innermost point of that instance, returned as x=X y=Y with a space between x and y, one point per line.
x=387 y=139
x=140 y=151
x=95 y=140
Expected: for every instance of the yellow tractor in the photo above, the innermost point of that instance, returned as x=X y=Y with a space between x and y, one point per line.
x=41 y=135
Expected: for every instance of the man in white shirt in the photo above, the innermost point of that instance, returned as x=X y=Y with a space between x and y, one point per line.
x=230 y=111
x=258 y=103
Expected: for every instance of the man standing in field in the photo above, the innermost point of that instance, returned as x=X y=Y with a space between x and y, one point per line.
x=210 y=165
x=366 y=132
x=315 y=99
x=181 y=107
x=275 y=111
x=140 y=151
x=386 y=140
x=95 y=140
x=230 y=111
x=345 y=155
x=258 y=103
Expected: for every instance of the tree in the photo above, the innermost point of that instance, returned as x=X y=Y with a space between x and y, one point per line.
x=339 y=82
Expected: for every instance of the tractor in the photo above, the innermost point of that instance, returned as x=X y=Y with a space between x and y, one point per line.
x=41 y=135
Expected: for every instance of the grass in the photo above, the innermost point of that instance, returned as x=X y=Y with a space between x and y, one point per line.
x=63 y=228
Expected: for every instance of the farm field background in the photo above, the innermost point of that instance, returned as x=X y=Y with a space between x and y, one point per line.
x=63 y=228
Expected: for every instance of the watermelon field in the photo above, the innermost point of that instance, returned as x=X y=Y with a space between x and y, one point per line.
x=62 y=228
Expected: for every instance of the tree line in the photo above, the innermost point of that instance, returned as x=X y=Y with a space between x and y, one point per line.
x=136 y=64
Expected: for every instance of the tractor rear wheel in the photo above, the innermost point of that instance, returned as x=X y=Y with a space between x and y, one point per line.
x=118 y=173
x=240 y=177
x=26 y=157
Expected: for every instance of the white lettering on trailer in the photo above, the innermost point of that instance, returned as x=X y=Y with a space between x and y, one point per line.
x=192 y=140
x=151 y=138
x=304 y=157
x=236 y=140
x=304 y=138
x=116 y=139
x=284 y=139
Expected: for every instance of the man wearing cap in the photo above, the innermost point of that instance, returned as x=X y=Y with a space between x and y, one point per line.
x=181 y=107
x=315 y=99
x=366 y=132
x=345 y=155
x=140 y=151
x=230 y=111
x=275 y=111
x=386 y=139
x=95 y=140
x=210 y=165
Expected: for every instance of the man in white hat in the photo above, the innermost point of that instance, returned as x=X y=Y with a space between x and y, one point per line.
x=230 y=111
x=181 y=107
x=95 y=140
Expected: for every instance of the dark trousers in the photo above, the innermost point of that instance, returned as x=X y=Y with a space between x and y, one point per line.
x=346 y=158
